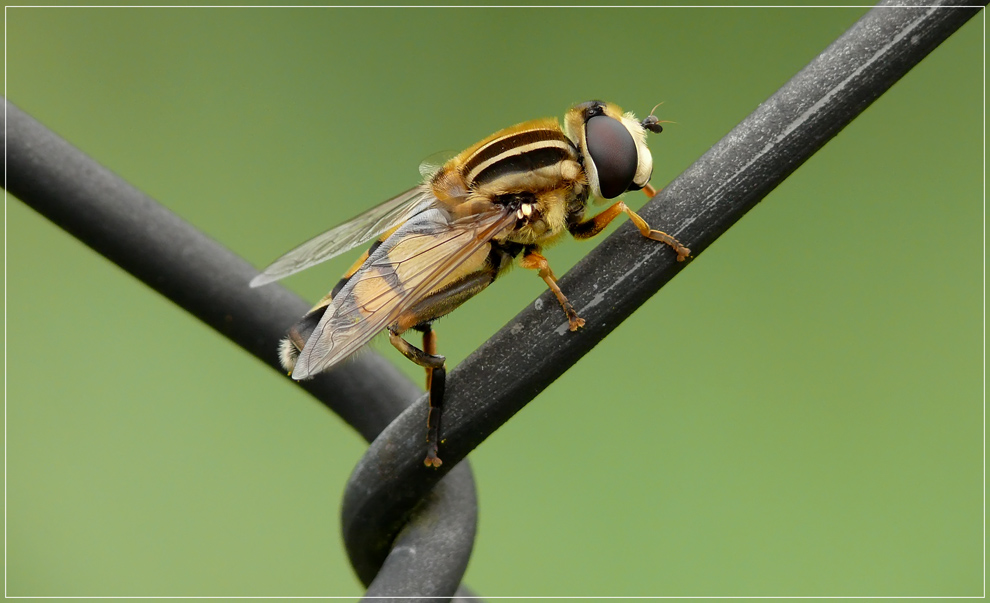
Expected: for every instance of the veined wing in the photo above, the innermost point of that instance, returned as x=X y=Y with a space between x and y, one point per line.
x=348 y=235
x=422 y=256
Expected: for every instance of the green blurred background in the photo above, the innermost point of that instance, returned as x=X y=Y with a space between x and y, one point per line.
x=798 y=413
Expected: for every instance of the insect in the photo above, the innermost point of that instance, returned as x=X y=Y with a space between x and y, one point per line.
x=444 y=241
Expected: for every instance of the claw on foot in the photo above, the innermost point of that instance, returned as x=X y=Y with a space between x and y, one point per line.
x=432 y=460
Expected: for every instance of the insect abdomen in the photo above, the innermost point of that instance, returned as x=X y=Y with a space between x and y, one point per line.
x=289 y=348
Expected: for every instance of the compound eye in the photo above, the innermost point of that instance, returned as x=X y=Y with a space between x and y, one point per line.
x=613 y=150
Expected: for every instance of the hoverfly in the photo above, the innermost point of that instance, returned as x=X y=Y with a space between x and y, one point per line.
x=442 y=242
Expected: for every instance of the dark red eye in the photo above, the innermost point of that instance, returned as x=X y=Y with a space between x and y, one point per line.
x=613 y=150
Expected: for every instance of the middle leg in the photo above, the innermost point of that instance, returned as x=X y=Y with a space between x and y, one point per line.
x=534 y=261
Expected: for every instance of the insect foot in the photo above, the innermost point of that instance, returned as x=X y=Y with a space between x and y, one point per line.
x=432 y=460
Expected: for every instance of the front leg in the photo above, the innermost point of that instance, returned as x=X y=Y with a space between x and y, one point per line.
x=593 y=226
x=534 y=261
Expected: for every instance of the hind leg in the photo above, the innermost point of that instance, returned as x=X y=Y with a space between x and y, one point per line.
x=436 y=379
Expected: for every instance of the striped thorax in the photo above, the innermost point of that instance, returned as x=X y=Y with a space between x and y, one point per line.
x=547 y=173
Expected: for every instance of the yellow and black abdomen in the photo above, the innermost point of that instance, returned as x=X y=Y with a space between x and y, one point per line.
x=299 y=333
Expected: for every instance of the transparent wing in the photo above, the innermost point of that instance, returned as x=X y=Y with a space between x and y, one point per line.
x=348 y=235
x=420 y=257
x=434 y=163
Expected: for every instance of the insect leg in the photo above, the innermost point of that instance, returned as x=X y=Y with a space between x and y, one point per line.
x=593 y=226
x=534 y=261
x=418 y=317
x=429 y=347
x=437 y=367
x=433 y=375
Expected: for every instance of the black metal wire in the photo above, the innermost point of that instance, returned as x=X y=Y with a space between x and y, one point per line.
x=623 y=272
x=211 y=282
